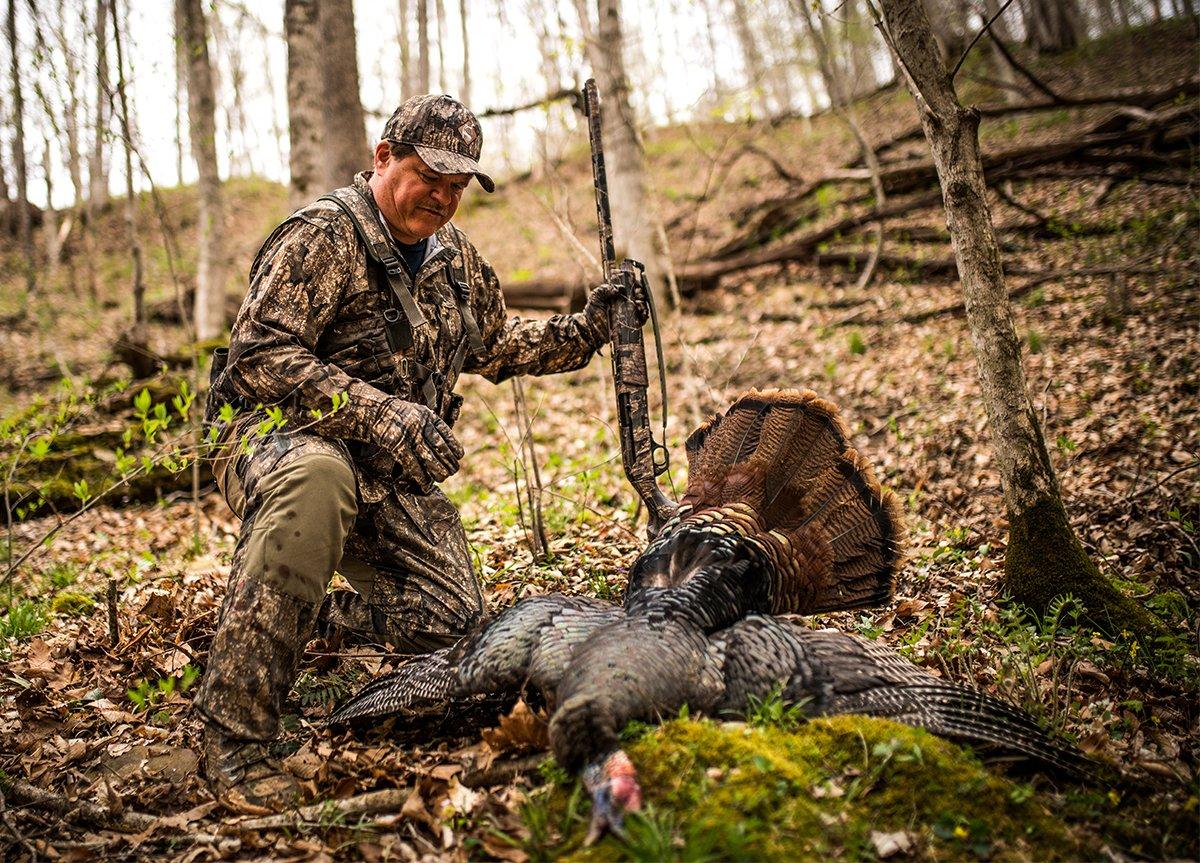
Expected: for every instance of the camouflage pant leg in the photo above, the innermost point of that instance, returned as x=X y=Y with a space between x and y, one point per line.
x=296 y=495
x=423 y=594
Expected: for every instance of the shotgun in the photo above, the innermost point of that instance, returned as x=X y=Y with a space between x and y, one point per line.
x=643 y=457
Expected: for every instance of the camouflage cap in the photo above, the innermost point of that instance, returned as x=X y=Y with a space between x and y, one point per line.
x=445 y=134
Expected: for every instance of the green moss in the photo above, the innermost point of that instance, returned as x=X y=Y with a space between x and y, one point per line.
x=729 y=791
x=1044 y=560
x=72 y=604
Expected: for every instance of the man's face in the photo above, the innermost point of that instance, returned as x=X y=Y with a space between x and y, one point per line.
x=414 y=199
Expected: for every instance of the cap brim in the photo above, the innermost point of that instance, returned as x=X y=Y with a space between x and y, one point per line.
x=448 y=162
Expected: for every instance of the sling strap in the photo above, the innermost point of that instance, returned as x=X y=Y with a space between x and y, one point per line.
x=379 y=248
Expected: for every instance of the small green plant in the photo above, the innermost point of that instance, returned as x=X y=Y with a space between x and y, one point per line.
x=1034 y=341
x=773 y=711
x=24 y=619
x=147 y=696
x=62 y=575
x=1065 y=445
x=856 y=343
x=651 y=835
x=323 y=690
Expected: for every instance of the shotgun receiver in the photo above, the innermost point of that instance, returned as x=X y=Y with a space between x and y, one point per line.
x=643 y=457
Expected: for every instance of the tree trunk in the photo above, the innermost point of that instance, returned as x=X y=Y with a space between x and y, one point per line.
x=1053 y=25
x=21 y=178
x=422 y=47
x=181 y=91
x=756 y=73
x=406 y=70
x=858 y=35
x=1044 y=559
x=304 y=90
x=137 y=334
x=98 y=161
x=440 y=13
x=841 y=102
x=465 y=95
x=637 y=231
x=212 y=269
x=346 y=150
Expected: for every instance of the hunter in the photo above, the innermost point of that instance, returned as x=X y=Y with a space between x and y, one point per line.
x=363 y=309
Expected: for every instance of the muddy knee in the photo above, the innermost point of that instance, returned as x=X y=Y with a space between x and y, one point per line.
x=306 y=508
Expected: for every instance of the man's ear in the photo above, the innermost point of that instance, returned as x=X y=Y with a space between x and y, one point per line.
x=383 y=154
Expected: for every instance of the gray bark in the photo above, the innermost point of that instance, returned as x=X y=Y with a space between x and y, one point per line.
x=1053 y=25
x=21 y=169
x=345 y=132
x=637 y=230
x=1044 y=558
x=756 y=71
x=137 y=334
x=406 y=70
x=422 y=47
x=98 y=160
x=465 y=95
x=212 y=266
x=440 y=12
x=304 y=90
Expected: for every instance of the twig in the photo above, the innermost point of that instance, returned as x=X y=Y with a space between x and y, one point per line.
x=114 y=624
x=1025 y=73
x=1004 y=193
x=86 y=811
x=387 y=800
x=503 y=772
x=545 y=101
x=12 y=828
x=1190 y=466
x=986 y=27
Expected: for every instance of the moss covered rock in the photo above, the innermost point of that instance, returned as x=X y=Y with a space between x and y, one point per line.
x=833 y=788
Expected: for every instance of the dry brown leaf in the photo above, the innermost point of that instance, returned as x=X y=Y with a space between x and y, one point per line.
x=520 y=729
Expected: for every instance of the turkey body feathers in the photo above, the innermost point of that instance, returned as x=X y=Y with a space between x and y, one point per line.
x=531 y=641
x=781 y=516
x=776 y=472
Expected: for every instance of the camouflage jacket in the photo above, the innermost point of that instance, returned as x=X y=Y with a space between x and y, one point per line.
x=311 y=328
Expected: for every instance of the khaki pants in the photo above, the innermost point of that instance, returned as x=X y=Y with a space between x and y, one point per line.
x=407 y=555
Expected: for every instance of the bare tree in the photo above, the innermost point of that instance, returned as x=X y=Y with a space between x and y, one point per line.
x=305 y=83
x=21 y=168
x=1053 y=25
x=440 y=13
x=1044 y=558
x=465 y=95
x=212 y=267
x=98 y=160
x=133 y=345
x=840 y=91
x=345 y=133
x=637 y=230
x=406 y=71
x=422 y=47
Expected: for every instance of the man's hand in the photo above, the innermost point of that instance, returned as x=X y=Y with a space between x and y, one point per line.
x=595 y=312
x=418 y=440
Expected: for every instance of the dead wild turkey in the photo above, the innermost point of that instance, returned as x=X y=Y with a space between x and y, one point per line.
x=780 y=516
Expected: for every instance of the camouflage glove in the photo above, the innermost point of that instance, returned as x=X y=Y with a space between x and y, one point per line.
x=601 y=298
x=418 y=440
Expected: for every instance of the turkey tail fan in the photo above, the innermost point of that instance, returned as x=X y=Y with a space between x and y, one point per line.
x=421 y=685
x=777 y=467
x=968 y=716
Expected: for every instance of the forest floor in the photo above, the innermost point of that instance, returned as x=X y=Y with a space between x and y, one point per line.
x=1112 y=361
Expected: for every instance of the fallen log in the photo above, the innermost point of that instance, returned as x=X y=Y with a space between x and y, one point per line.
x=553 y=295
x=1137 y=97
